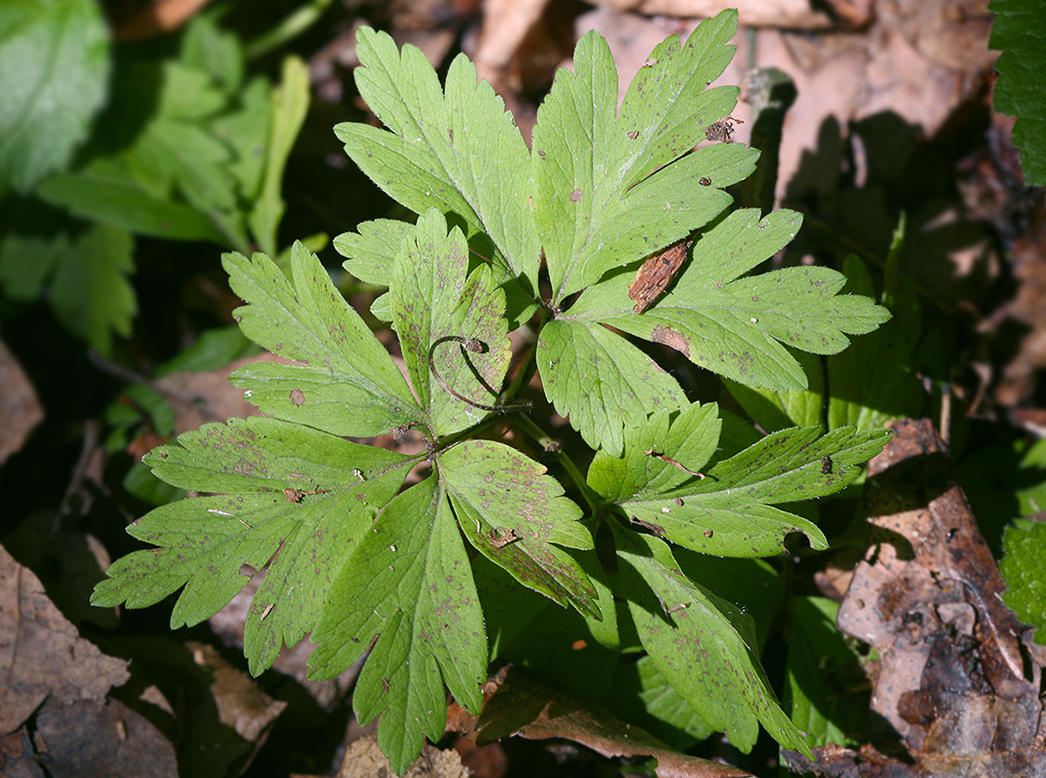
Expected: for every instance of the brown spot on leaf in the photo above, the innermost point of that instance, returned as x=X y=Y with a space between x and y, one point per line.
x=670 y=337
x=575 y=196
x=297 y=396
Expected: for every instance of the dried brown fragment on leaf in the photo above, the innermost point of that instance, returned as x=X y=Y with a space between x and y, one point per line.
x=722 y=129
x=957 y=678
x=670 y=337
x=500 y=538
x=655 y=274
x=42 y=653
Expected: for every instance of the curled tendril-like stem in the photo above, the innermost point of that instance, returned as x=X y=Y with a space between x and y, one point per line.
x=474 y=346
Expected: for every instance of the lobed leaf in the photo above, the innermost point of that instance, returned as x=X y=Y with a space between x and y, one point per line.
x=601 y=381
x=704 y=646
x=457 y=149
x=348 y=384
x=303 y=496
x=429 y=633
x=609 y=191
x=452 y=329
x=736 y=326
x=370 y=247
x=1024 y=545
x=728 y=510
x=668 y=103
x=1018 y=30
x=513 y=513
x=823 y=670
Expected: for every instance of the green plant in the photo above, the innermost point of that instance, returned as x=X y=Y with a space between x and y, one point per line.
x=362 y=562
x=184 y=147
x=1018 y=30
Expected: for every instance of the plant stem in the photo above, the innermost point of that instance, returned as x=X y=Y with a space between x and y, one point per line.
x=290 y=27
x=549 y=444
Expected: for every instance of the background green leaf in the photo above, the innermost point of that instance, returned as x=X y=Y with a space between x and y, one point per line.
x=1025 y=548
x=54 y=64
x=1019 y=31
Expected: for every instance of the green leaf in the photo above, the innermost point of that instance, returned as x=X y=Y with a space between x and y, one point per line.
x=776 y=410
x=657 y=706
x=54 y=67
x=601 y=381
x=823 y=670
x=599 y=200
x=1025 y=548
x=668 y=103
x=214 y=51
x=369 y=248
x=513 y=514
x=175 y=154
x=245 y=130
x=736 y=325
x=872 y=381
x=26 y=262
x=106 y=191
x=1019 y=31
x=290 y=102
x=452 y=329
x=876 y=379
x=430 y=632
x=728 y=511
x=348 y=384
x=455 y=149
x=704 y=646
x=305 y=494
x=91 y=293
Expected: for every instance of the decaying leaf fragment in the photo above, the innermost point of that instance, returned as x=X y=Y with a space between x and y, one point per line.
x=42 y=653
x=515 y=703
x=959 y=676
x=656 y=273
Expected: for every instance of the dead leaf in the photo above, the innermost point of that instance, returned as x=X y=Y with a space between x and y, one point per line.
x=365 y=760
x=20 y=410
x=17 y=758
x=41 y=653
x=516 y=703
x=205 y=396
x=95 y=739
x=293 y=660
x=241 y=703
x=795 y=14
x=955 y=680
